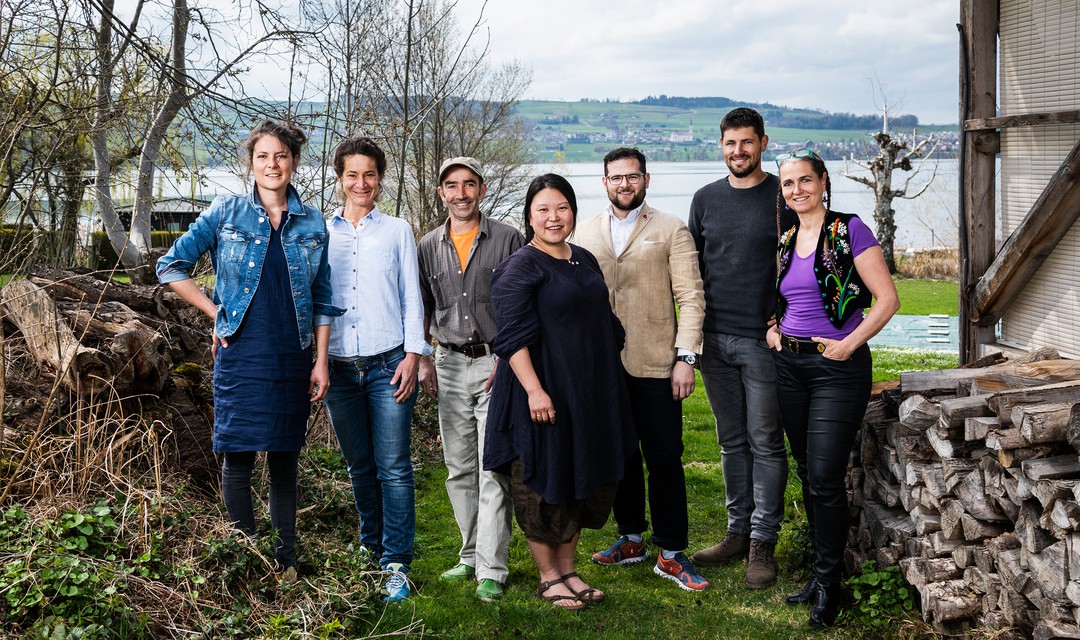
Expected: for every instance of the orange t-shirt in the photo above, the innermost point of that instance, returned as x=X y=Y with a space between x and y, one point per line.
x=462 y=243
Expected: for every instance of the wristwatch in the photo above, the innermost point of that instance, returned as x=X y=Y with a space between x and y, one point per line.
x=689 y=359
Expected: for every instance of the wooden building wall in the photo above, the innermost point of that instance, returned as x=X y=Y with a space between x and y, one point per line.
x=1040 y=72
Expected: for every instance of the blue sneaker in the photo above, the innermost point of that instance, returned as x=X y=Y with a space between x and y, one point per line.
x=681 y=572
x=396 y=586
x=623 y=551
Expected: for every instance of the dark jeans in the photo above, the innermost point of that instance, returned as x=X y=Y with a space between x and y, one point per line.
x=236 y=491
x=740 y=381
x=822 y=403
x=658 y=419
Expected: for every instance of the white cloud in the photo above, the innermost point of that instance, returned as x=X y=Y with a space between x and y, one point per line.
x=821 y=54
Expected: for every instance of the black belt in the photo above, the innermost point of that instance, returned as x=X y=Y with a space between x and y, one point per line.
x=800 y=345
x=472 y=350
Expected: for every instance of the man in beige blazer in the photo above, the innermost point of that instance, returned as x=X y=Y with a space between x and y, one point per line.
x=650 y=264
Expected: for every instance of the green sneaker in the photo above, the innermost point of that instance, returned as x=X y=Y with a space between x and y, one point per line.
x=489 y=590
x=460 y=573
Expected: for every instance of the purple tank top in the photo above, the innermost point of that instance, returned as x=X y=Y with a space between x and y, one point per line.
x=805 y=314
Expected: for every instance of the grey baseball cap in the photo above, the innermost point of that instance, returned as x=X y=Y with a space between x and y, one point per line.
x=472 y=164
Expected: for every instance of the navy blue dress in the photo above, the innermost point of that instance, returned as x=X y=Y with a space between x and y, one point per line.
x=261 y=379
x=559 y=309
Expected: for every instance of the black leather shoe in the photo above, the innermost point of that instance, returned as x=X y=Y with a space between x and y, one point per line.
x=826 y=606
x=806 y=595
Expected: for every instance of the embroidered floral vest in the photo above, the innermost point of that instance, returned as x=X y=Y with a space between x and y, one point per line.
x=842 y=291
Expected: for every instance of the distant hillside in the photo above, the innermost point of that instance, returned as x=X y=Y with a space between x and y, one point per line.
x=681 y=129
x=777 y=116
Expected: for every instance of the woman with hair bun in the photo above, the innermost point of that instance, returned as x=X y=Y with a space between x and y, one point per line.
x=271 y=295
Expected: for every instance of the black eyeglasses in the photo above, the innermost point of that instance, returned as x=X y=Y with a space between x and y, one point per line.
x=632 y=178
x=797 y=154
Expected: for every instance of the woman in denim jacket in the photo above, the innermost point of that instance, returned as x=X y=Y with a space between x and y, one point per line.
x=272 y=291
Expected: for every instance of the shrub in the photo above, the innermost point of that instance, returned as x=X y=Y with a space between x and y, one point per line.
x=880 y=596
x=103 y=256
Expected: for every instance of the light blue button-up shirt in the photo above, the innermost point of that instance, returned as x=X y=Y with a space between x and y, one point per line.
x=375 y=278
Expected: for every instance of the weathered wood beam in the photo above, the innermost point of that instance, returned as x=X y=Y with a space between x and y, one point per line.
x=1050 y=218
x=1023 y=120
x=978 y=99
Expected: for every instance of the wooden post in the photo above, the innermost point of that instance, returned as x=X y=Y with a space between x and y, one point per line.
x=978 y=99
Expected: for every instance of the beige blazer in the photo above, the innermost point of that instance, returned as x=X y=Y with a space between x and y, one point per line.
x=657 y=270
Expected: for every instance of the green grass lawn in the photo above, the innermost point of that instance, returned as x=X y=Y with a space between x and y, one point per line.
x=924 y=297
x=640 y=604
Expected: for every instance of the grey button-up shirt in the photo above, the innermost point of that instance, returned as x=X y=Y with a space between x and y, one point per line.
x=458 y=304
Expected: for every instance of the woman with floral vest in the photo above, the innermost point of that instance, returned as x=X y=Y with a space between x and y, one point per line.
x=830 y=269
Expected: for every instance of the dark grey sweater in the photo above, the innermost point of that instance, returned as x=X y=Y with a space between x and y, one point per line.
x=735 y=232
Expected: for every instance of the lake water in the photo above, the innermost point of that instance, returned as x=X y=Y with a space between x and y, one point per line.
x=927 y=221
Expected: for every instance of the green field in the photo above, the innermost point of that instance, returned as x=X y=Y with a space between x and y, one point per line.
x=926 y=297
x=640 y=605
x=599 y=117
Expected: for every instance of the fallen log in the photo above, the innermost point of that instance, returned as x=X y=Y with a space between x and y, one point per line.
x=51 y=341
x=139 y=353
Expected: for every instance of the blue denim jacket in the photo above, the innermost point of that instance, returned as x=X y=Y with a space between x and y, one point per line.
x=236 y=229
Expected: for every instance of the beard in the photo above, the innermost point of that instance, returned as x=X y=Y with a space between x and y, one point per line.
x=635 y=200
x=750 y=168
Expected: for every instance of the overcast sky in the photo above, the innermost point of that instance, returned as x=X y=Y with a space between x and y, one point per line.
x=821 y=54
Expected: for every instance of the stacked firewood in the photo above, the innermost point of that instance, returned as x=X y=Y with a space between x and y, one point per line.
x=969 y=479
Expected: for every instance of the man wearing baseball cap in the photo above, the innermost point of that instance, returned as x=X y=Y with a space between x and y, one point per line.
x=456 y=263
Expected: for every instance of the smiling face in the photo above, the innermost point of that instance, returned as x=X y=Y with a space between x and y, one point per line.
x=551 y=217
x=625 y=196
x=360 y=182
x=742 y=150
x=272 y=164
x=461 y=190
x=803 y=189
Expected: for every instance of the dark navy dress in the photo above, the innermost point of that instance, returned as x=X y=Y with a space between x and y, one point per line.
x=261 y=379
x=559 y=310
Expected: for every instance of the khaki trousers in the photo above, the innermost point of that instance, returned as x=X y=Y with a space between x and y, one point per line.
x=481 y=499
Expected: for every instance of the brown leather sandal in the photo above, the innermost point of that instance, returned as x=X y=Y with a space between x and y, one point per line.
x=588 y=594
x=544 y=586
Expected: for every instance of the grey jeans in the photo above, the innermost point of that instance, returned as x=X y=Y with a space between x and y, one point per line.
x=740 y=382
x=481 y=499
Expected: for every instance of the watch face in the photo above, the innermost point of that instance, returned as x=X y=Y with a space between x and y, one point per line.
x=690 y=360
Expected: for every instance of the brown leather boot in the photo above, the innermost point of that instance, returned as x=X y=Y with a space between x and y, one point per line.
x=761 y=572
x=733 y=547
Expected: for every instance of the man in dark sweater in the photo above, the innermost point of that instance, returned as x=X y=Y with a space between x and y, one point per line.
x=734 y=223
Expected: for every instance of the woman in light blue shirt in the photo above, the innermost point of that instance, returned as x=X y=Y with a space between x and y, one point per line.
x=375 y=348
x=271 y=292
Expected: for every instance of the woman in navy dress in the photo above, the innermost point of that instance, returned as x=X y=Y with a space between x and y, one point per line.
x=559 y=421
x=272 y=291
